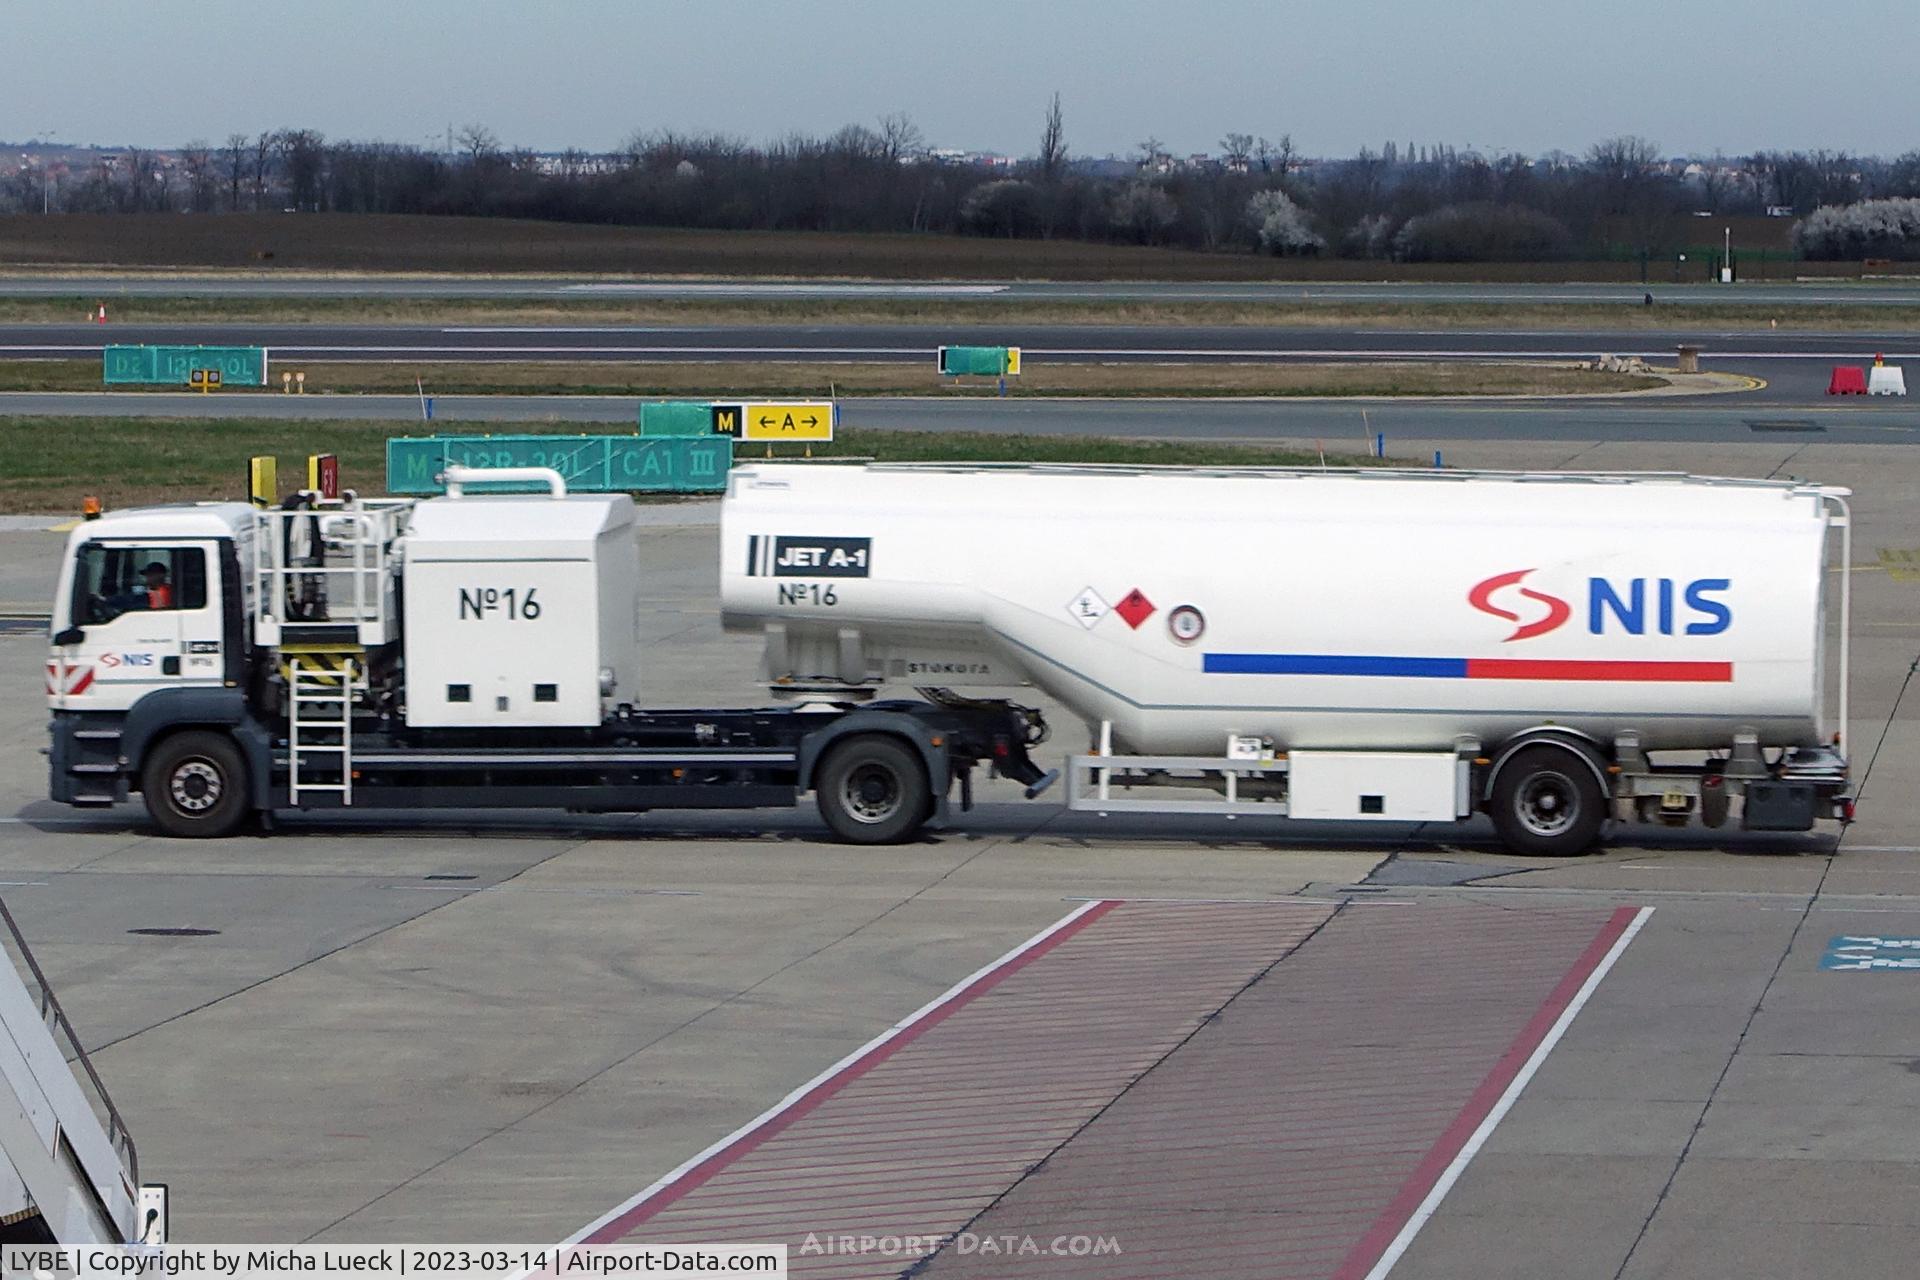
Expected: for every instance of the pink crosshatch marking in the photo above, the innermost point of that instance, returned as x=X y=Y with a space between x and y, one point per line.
x=1276 y=1088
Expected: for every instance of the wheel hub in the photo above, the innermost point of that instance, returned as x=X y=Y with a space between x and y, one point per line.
x=872 y=793
x=195 y=786
x=1548 y=804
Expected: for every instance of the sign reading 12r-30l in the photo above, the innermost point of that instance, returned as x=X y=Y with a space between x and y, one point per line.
x=794 y=420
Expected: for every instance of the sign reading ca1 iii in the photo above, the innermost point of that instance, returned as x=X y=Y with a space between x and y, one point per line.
x=787 y=420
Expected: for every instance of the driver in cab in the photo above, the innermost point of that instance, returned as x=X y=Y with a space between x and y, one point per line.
x=155 y=592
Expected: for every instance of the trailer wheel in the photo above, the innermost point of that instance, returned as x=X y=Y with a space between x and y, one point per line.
x=195 y=784
x=1546 y=803
x=873 y=790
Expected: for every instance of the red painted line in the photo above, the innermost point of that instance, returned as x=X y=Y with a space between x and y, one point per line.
x=776 y=1122
x=1598 y=669
x=1359 y=1261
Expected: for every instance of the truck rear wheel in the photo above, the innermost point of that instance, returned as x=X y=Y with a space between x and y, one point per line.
x=1547 y=803
x=873 y=790
x=195 y=784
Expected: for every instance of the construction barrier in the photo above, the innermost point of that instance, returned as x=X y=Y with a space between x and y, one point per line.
x=1847 y=380
x=589 y=464
x=1886 y=380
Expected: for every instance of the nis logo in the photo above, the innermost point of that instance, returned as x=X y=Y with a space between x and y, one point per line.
x=1634 y=606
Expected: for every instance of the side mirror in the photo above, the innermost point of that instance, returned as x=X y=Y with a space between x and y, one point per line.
x=72 y=635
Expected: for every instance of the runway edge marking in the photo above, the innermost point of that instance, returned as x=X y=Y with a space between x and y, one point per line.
x=1455 y=1149
x=698 y=1169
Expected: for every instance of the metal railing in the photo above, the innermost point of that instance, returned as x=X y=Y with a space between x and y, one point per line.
x=56 y=1020
x=340 y=576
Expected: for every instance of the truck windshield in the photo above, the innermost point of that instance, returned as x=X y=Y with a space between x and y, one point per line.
x=110 y=579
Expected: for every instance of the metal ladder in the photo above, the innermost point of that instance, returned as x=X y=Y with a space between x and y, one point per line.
x=320 y=723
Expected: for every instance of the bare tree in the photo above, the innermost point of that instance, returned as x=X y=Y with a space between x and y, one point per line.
x=197 y=159
x=233 y=157
x=1274 y=157
x=260 y=166
x=1053 y=142
x=302 y=154
x=138 y=187
x=1621 y=164
x=900 y=137
x=477 y=141
x=1237 y=150
x=1148 y=150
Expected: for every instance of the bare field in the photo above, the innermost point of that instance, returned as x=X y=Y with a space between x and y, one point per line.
x=383 y=242
x=721 y=380
x=48 y=464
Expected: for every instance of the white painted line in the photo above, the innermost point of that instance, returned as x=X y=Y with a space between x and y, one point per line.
x=584 y=350
x=1334 y=898
x=772 y=1113
x=797 y=289
x=561 y=328
x=1507 y=1099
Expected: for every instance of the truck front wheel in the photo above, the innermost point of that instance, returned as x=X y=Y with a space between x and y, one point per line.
x=873 y=790
x=1546 y=803
x=195 y=784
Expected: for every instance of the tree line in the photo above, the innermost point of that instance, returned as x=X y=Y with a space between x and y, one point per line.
x=1417 y=203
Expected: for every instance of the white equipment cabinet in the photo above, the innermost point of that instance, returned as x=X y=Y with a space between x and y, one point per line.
x=1379 y=786
x=520 y=613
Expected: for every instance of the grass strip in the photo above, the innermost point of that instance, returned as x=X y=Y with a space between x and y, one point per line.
x=48 y=464
x=1302 y=312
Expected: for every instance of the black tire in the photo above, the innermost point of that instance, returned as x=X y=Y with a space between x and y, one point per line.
x=195 y=785
x=872 y=789
x=1547 y=803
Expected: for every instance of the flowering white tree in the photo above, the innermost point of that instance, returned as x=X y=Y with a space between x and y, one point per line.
x=1869 y=229
x=1282 y=225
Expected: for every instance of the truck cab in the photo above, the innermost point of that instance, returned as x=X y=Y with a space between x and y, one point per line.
x=146 y=603
x=148 y=624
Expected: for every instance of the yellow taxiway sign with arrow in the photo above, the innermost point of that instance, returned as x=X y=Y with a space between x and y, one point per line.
x=798 y=420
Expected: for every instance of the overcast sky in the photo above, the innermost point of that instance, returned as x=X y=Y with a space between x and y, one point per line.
x=1526 y=75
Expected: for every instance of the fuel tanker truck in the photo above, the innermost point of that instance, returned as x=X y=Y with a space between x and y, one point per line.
x=1552 y=650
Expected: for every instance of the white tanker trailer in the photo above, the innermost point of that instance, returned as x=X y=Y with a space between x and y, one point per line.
x=1357 y=645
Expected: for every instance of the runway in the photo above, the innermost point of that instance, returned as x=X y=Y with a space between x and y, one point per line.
x=1774 y=293
x=1796 y=365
